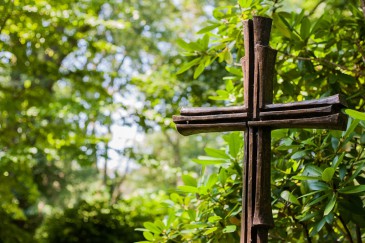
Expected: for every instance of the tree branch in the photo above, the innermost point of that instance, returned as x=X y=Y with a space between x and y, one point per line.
x=325 y=62
x=348 y=234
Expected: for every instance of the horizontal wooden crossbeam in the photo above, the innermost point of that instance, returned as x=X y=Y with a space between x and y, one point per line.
x=322 y=113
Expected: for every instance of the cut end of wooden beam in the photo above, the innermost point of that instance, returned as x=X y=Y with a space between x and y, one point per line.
x=262 y=30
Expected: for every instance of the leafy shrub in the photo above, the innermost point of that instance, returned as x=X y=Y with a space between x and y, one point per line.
x=98 y=222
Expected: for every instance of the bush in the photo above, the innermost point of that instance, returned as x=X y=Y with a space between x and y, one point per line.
x=97 y=222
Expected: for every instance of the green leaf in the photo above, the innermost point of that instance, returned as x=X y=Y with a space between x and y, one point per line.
x=337 y=160
x=304 y=178
x=330 y=205
x=355 y=114
x=209 y=231
x=318 y=186
x=213 y=219
x=235 y=71
x=204 y=160
x=189 y=180
x=208 y=28
x=199 y=70
x=160 y=224
x=188 y=65
x=228 y=57
x=245 y=3
x=345 y=78
x=205 y=41
x=305 y=28
x=318 y=227
x=152 y=227
x=213 y=178
x=357 y=172
x=317 y=200
x=351 y=128
x=342 y=172
x=184 y=45
x=328 y=174
x=299 y=154
x=188 y=189
x=234 y=142
x=352 y=189
x=288 y=196
x=222 y=176
x=308 y=216
x=312 y=170
x=229 y=229
x=170 y=218
x=216 y=153
x=148 y=235
x=229 y=86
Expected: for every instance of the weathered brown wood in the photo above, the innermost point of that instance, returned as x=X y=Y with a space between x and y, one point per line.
x=331 y=100
x=265 y=115
x=190 y=129
x=245 y=183
x=335 y=121
x=263 y=214
x=262 y=30
x=210 y=118
x=257 y=118
x=267 y=57
x=299 y=113
x=251 y=183
x=262 y=218
x=248 y=62
x=201 y=111
x=204 y=124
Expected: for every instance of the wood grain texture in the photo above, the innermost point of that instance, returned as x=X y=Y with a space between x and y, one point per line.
x=201 y=111
x=190 y=129
x=248 y=62
x=331 y=100
x=263 y=213
x=335 y=121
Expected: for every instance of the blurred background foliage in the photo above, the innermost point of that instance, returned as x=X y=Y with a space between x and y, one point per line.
x=71 y=72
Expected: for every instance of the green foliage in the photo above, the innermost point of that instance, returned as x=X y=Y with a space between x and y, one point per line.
x=99 y=222
x=65 y=69
x=317 y=175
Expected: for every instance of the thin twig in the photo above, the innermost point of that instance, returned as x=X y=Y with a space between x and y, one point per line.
x=348 y=234
x=324 y=61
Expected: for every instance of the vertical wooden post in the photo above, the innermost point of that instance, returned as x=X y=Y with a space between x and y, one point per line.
x=258 y=68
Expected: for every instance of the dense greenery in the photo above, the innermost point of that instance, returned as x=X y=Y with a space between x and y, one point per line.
x=317 y=176
x=70 y=71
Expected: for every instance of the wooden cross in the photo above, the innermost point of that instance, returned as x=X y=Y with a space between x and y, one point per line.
x=257 y=118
